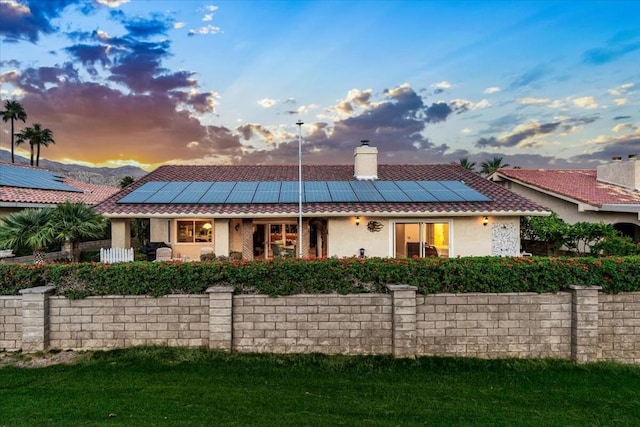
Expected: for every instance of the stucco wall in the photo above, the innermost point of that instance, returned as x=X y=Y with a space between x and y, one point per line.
x=345 y=238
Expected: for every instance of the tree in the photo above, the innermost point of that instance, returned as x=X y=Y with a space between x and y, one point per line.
x=28 y=228
x=465 y=163
x=490 y=166
x=36 y=136
x=125 y=181
x=71 y=222
x=13 y=111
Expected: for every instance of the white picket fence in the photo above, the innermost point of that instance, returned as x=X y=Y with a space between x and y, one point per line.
x=111 y=255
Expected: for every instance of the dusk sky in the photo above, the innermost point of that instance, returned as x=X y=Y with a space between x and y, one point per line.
x=142 y=82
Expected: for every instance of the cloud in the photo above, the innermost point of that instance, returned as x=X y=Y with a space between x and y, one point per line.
x=148 y=27
x=112 y=3
x=491 y=90
x=619 y=46
x=252 y=130
x=534 y=101
x=26 y=22
x=586 y=102
x=356 y=99
x=266 y=102
x=621 y=90
x=620 y=101
x=438 y=112
x=621 y=127
x=621 y=117
x=529 y=78
x=522 y=135
x=209 y=29
x=441 y=86
x=178 y=25
x=462 y=105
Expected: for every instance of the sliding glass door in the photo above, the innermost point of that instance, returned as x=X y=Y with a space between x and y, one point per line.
x=421 y=239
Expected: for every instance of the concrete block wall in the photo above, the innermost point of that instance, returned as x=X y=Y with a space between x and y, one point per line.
x=579 y=324
x=10 y=323
x=330 y=324
x=495 y=325
x=619 y=327
x=125 y=321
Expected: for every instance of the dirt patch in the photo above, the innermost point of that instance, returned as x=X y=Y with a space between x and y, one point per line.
x=38 y=360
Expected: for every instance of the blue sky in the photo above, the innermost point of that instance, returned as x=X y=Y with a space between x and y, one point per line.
x=144 y=82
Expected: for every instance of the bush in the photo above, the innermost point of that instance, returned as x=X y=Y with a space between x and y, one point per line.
x=283 y=276
x=90 y=255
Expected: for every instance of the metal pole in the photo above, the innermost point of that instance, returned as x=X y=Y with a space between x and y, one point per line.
x=299 y=123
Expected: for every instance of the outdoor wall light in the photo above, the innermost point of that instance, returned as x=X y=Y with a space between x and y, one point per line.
x=485 y=221
x=357 y=221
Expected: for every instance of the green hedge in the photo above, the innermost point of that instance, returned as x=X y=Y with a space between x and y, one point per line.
x=348 y=275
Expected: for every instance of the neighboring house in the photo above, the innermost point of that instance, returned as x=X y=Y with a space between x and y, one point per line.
x=28 y=187
x=608 y=194
x=361 y=210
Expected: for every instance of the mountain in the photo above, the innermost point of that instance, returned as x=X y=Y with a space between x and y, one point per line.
x=106 y=176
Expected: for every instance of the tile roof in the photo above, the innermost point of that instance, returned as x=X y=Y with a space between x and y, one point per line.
x=503 y=201
x=577 y=184
x=90 y=194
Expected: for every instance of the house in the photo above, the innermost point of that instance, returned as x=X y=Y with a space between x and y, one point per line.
x=609 y=194
x=364 y=209
x=28 y=187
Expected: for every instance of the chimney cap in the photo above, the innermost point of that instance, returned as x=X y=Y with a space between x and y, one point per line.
x=365 y=142
x=633 y=156
x=616 y=158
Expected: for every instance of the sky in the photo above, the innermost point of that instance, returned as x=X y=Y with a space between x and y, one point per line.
x=541 y=84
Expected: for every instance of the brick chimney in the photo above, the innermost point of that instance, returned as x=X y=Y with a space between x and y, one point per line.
x=625 y=174
x=365 y=162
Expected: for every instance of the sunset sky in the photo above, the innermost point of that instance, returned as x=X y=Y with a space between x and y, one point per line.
x=143 y=82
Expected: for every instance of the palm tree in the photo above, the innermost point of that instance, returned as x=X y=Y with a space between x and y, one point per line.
x=490 y=166
x=28 y=228
x=36 y=136
x=13 y=111
x=465 y=163
x=125 y=181
x=71 y=222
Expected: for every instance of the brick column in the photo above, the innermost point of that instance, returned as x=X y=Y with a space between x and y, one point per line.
x=403 y=302
x=220 y=317
x=35 y=318
x=584 y=323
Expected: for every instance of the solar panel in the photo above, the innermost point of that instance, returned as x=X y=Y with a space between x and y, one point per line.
x=391 y=192
x=341 y=191
x=415 y=191
x=167 y=193
x=142 y=193
x=316 y=192
x=366 y=192
x=218 y=192
x=288 y=192
x=267 y=192
x=192 y=193
x=16 y=176
x=242 y=192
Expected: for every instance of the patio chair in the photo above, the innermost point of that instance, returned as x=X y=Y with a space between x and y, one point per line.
x=164 y=254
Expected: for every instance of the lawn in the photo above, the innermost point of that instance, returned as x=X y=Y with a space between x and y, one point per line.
x=164 y=386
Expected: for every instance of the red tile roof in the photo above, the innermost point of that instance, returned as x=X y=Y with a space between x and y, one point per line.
x=90 y=194
x=577 y=184
x=502 y=200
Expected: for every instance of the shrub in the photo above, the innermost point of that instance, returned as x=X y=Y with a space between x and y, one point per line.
x=284 y=276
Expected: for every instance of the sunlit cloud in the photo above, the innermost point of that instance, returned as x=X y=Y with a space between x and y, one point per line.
x=112 y=3
x=586 y=102
x=178 y=25
x=490 y=90
x=267 y=103
x=621 y=127
x=528 y=101
x=442 y=85
x=621 y=90
x=209 y=29
x=620 y=101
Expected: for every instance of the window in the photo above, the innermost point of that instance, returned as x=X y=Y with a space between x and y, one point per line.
x=194 y=231
x=422 y=239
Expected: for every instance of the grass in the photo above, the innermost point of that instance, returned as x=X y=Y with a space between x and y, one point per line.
x=173 y=387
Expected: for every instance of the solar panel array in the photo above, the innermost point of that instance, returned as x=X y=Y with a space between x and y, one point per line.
x=15 y=176
x=253 y=192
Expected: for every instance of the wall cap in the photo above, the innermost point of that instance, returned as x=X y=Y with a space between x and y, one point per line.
x=220 y=290
x=393 y=288
x=580 y=287
x=49 y=289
